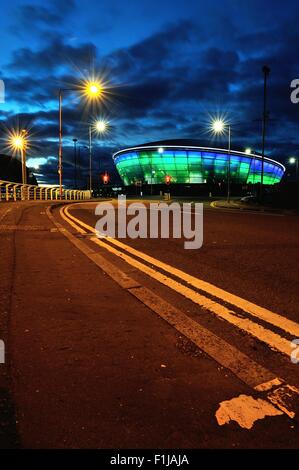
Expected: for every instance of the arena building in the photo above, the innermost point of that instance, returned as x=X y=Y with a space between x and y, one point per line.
x=157 y=164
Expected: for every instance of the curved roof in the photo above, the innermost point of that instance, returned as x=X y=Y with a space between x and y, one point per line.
x=186 y=146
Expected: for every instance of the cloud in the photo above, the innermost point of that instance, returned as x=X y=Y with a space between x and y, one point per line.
x=52 y=58
x=40 y=18
x=169 y=82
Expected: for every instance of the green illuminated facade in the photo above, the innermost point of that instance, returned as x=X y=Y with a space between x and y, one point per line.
x=193 y=165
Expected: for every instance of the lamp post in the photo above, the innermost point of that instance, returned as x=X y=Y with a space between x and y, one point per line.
x=292 y=161
x=75 y=161
x=23 y=154
x=266 y=72
x=91 y=90
x=19 y=142
x=90 y=159
x=100 y=126
x=219 y=126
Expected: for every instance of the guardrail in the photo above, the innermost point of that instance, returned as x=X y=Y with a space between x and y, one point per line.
x=10 y=191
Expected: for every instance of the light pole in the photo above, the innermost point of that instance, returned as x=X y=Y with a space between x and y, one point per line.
x=20 y=142
x=23 y=154
x=75 y=161
x=90 y=89
x=219 y=126
x=266 y=72
x=100 y=126
x=292 y=161
x=90 y=159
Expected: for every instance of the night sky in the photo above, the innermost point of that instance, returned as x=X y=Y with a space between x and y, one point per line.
x=169 y=65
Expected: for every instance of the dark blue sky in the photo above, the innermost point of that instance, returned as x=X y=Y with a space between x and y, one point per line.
x=170 y=64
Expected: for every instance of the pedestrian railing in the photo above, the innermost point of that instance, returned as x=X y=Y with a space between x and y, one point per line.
x=10 y=191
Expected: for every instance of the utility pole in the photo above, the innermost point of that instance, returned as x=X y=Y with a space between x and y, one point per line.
x=23 y=156
x=90 y=160
x=60 y=144
x=75 y=162
x=266 y=72
x=228 y=169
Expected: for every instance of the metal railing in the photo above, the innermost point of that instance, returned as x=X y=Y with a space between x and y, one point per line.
x=10 y=191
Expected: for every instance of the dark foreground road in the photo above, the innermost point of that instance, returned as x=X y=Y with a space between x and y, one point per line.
x=92 y=362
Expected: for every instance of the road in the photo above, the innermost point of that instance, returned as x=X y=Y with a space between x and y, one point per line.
x=141 y=343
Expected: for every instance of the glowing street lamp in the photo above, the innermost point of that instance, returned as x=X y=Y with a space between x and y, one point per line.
x=100 y=126
x=19 y=142
x=90 y=90
x=219 y=126
x=294 y=161
x=248 y=151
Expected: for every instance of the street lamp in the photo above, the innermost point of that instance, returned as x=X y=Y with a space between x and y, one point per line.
x=75 y=161
x=219 y=126
x=266 y=72
x=294 y=161
x=248 y=151
x=91 y=90
x=101 y=127
x=18 y=141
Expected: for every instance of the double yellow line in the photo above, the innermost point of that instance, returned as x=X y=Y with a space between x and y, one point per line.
x=161 y=272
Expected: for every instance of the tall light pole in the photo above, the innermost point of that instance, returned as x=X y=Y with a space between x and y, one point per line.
x=90 y=158
x=91 y=89
x=100 y=126
x=292 y=161
x=219 y=126
x=23 y=154
x=266 y=72
x=19 y=142
x=75 y=162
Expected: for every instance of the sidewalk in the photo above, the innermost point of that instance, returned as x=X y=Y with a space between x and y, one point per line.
x=238 y=205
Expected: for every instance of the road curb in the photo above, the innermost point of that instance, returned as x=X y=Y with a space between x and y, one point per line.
x=239 y=207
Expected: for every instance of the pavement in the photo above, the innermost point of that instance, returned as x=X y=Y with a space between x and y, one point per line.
x=236 y=204
x=145 y=344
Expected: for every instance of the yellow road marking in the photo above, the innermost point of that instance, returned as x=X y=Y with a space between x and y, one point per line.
x=262 y=313
x=79 y=229
x=282 y=395
x=267 y=336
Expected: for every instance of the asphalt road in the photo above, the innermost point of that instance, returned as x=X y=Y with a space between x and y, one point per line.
x=104 y=352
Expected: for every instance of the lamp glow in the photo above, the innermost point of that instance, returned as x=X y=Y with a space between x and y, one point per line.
x=218 y=126
x=18 y=142
x=93 y=89
x=101 y=126
x=292 y=160
x=248 y=151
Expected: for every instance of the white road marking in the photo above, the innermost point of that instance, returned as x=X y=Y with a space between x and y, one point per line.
x=245 y=410
x=253 y=374
x=262 y=313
